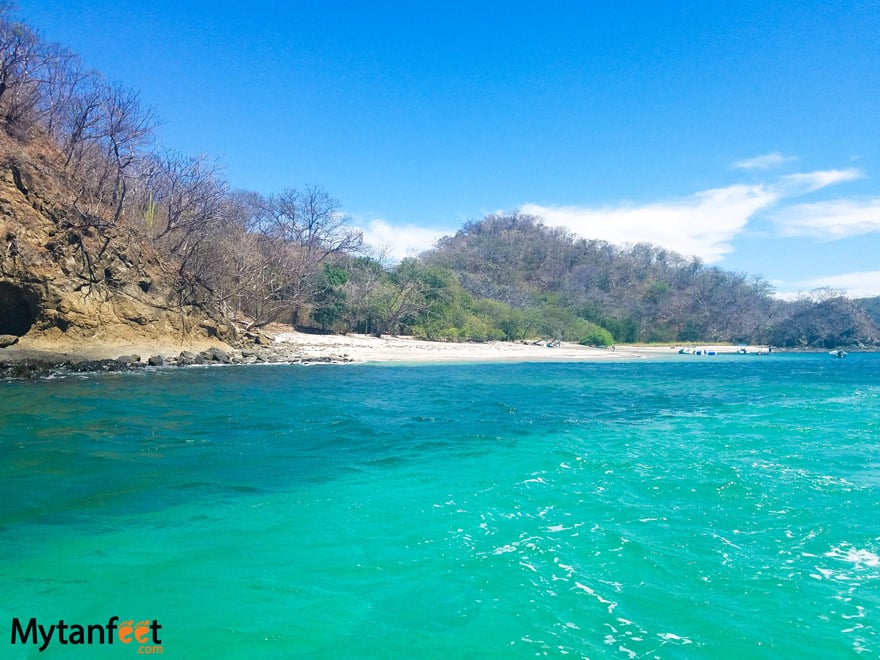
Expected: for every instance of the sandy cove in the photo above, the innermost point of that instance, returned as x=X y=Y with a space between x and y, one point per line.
x=287 y=345
x=366 y=348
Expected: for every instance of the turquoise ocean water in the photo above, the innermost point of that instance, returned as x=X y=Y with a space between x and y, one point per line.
x=724 y=507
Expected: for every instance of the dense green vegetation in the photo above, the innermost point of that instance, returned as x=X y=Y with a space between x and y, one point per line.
x=293 y=256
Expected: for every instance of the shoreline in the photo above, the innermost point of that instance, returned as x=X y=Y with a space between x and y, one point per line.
x=40 y=357
x=390 y=349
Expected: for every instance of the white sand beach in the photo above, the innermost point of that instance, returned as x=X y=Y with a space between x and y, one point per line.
x=366 y=348
x=288 y=345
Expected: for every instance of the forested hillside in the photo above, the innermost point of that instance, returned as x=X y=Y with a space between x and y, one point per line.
x=639 y=292
x=101 y=226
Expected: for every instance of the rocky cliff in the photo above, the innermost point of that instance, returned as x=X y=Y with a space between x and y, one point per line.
x=67 y=279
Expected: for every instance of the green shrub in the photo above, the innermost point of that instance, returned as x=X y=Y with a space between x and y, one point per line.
x=597 y=336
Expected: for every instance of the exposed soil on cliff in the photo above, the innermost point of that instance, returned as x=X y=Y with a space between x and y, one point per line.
x=65 y=286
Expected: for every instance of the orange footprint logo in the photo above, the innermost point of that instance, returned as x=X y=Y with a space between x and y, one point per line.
x=125 y=631
x=141 y=631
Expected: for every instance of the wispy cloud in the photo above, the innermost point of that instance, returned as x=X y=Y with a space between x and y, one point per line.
x=792 y=185
x=765 y=162
x=397 y=242
x=830 y=220
x=855 y=285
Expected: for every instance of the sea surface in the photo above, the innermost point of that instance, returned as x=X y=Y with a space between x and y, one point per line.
x=690 y=507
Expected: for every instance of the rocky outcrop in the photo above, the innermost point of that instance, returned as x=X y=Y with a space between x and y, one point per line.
x=62 y=279
x=8 y=340
x=36 y=364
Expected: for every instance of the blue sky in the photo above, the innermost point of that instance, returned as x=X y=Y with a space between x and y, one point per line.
x=744 y=133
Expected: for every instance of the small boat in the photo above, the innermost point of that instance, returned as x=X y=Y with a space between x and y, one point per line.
x=837 y=353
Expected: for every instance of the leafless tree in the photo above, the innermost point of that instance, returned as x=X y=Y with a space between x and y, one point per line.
x=311 y=220
x=188 y=194
x=22 y=61
x=128 y=129
x=300 y=231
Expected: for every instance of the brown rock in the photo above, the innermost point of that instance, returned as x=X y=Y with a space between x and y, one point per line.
x=8 y=340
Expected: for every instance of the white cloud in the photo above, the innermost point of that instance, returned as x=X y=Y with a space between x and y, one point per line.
x=855 y=285
x=701 y=225
x=831 y=220
x=765 y=162
x=400 y=241
x=792 y=185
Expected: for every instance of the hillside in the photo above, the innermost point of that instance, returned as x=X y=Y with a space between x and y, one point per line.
x=871 y=307
x=640 y=293
x=64 y=281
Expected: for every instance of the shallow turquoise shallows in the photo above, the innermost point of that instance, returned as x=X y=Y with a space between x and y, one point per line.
x=720 y=507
